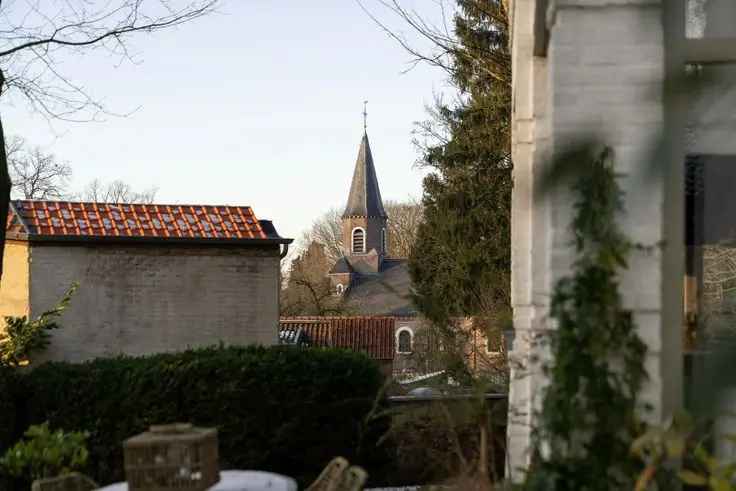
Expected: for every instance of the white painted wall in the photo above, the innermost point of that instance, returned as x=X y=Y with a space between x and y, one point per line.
x=602 y=75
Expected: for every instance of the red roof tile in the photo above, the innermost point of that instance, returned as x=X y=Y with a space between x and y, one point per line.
x=371 y=335
x=65 y=219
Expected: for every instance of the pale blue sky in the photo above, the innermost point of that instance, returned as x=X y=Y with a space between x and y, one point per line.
x=259 y=105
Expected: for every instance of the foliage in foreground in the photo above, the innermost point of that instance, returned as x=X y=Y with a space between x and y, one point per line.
x=456 y=439
x=588 y=419
x=278 y=409
x=9 y=388
x=23 y=336
x=45 y=453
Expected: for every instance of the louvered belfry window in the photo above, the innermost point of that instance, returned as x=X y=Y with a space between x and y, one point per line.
x=358 y=240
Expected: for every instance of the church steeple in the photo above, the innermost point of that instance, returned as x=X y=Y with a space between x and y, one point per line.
x=364 y=199
x=364 y=220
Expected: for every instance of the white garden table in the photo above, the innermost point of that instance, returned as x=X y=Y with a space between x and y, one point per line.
x=237 y=481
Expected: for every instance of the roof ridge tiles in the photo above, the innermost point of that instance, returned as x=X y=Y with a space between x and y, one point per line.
x=90 y=220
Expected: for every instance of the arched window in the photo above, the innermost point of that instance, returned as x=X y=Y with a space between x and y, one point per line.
x=340 y=289
x=384 y=244
x=404 y=340
x=493 y=342
x=358 y=240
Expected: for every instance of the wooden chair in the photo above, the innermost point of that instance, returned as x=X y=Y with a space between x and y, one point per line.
x=330 y=477
x=352 y=479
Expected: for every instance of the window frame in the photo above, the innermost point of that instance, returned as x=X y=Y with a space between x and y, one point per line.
x=679 y=51
x=683 y=50
x=339 y=289
x=399 y=331
x=352 y=240
x=488 y=351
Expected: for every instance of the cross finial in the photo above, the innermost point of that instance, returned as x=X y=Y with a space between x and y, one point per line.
x=365 y=116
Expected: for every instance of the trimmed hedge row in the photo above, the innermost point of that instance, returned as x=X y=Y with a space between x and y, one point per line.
x=280 y=409
x=8 y=407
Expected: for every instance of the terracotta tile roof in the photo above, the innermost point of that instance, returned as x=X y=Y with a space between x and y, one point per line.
x=67 y=220
x=371 y=335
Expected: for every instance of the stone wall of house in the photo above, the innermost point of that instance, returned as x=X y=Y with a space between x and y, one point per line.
x=14 y=284
x=152 y=298
x=600 y=74
x=427 y=353
x=419 y=359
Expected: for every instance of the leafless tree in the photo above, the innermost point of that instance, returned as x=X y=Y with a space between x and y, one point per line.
x=404 y=218
x=39 y=175
x=34 y=35
x=309 y=290
x=327 y=231
x=36 y=174
x=116 y=191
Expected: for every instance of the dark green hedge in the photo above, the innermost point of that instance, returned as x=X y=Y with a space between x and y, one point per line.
x=279 y=409
x=8 y=407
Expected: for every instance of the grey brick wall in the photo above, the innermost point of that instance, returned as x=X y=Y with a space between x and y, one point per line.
x=602 y=76
x=150 y=298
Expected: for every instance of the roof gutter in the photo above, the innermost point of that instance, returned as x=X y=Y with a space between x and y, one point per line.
x=92 y=239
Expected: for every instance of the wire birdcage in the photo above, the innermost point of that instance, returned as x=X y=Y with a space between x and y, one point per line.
x=176 y=457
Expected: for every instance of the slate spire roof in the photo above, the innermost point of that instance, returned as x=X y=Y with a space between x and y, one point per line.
x=365 y=197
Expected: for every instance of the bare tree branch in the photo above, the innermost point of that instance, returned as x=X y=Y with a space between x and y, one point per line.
x=34 y=173
x=116 y=191
x=309 y=290
x=33 y=39
x=444 y=44
x=121 y=29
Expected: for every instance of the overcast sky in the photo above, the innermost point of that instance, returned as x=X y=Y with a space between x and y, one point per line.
x=257 y=105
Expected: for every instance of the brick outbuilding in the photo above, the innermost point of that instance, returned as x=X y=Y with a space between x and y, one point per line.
x=151 y=277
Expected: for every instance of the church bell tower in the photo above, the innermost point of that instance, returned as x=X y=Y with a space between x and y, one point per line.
x=364 y=219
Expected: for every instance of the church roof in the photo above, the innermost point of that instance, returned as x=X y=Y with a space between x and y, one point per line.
x=67 y=220
x=341 y=266
x=384 y=293
x=365 y=196
x=371 y=335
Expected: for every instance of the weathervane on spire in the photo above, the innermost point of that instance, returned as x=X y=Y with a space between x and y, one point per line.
x=365 y=116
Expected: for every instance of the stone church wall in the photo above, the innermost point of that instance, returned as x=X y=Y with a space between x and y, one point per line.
x=149 y=298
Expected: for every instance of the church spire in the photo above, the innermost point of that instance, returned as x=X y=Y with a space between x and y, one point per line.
x=365 y=117
x=365 y=197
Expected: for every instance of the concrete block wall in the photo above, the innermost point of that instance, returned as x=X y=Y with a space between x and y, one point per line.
x=530 y=275
x=606 y=77
x=152 y=298
x=602 y=76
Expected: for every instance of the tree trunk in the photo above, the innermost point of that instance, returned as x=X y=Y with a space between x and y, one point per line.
x=4 y=190
x=483 y=452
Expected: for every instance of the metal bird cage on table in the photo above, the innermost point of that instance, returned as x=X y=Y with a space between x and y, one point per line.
x=176 y=457
x=70 y=482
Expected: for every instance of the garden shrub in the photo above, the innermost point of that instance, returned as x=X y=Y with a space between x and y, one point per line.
x=10 y=427
x=284 y=410
x=44 y=454
x=8 y=408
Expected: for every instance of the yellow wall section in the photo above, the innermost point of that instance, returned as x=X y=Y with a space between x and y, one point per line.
x=14 y=286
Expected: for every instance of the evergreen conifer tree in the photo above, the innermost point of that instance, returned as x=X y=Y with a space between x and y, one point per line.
x=460 y=265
